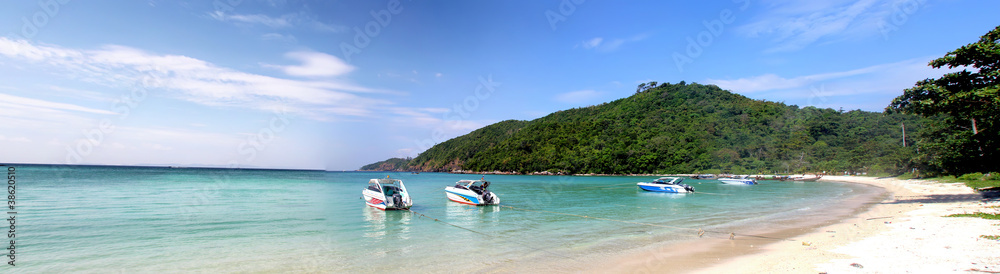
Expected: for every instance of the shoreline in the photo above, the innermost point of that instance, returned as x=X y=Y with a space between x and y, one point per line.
x=903 y=230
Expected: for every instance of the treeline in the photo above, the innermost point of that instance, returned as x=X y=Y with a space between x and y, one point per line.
x=682 y=128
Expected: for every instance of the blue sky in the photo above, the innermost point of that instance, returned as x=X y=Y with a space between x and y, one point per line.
x=339 y=84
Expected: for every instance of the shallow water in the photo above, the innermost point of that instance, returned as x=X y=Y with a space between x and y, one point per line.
x=158 y=219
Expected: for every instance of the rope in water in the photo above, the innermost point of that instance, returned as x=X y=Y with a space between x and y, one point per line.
x=486 y=234
x=701 y=232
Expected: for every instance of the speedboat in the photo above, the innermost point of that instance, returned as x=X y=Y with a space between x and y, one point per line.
x=387 y=194
x=666 y=184
x=738 y=180
x=472 y=192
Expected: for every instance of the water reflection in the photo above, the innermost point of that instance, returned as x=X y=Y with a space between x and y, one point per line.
x=469 y=215
x=393 y=224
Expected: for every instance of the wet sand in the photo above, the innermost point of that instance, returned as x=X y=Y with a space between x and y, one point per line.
x=898 y=230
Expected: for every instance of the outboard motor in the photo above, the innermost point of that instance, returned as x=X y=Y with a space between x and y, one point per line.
x=688 y=187
x=397 y=200
x=488 y=196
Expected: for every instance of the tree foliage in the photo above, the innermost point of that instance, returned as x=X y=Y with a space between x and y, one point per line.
x=965 y=106
x=683 y=128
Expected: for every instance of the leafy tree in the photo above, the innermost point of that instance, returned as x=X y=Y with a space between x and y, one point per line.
x=965 y=104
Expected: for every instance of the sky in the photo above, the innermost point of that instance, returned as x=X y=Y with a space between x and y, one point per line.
x=336 y=85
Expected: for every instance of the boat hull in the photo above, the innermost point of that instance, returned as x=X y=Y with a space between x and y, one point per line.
x=378 y=200
x=738 y=181
x=468 y=197
x=662 y=188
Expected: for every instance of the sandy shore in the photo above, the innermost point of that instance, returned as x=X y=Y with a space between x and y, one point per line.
x=906 y=233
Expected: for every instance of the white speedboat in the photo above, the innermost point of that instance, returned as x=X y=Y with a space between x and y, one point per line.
x=472 y=192
x=386 y=194
x=666 y=184
x=740 y=180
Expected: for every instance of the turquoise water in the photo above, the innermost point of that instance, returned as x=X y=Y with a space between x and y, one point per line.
x=156 y=219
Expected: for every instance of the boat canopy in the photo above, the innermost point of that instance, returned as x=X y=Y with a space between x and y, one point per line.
x=669 y=180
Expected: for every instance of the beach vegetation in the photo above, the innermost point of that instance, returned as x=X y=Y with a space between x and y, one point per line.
x=964 y=106
x=988 y=216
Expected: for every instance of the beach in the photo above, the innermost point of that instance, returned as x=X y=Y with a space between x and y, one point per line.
x=904 y=232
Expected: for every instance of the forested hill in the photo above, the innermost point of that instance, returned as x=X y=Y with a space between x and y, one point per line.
x=680 y=128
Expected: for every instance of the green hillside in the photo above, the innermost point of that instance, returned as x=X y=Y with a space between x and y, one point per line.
x=682 y=128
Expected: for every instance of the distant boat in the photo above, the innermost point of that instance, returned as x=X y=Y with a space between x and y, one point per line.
x=704 y=176
x=666 y=184
x=472 y=192
x=804 y=179
x=386 y=194
x=741 y=180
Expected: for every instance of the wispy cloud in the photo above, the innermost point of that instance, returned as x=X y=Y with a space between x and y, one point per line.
x=608 y=45
x=878 y=81
x=205 y=83
x=578 y=97
x=279 y=37
x=284 y=21
x=274 y=22
x=793 y=25
x=45 y=106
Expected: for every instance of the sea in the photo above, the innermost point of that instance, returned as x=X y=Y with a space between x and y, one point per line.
x=146 y=219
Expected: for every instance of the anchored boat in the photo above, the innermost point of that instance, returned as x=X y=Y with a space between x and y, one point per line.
x=386 y=194
x=666 y=184
x=472 y=192
x=739 y=180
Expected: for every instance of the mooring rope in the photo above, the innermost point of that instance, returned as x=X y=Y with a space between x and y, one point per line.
x=700 y=231
x=488 y=235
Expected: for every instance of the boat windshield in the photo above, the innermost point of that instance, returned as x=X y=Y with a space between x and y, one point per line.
x=668 y=180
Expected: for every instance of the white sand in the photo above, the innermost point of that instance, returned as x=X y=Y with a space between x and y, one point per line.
x=905 y=234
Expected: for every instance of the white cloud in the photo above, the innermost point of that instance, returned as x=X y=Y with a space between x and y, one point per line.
x=315 y=64
x=205 y=83
x=792 y=25
x=438 y=75
x=579 y=96
x=879 y=83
